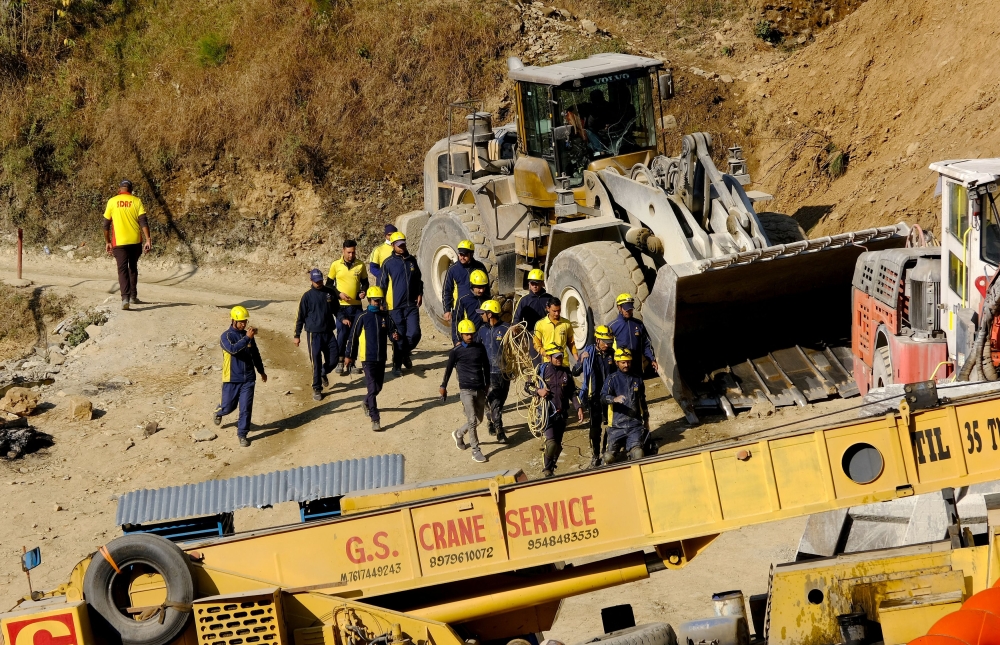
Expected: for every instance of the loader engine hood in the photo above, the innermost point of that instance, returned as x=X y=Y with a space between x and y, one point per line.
x=771 y=324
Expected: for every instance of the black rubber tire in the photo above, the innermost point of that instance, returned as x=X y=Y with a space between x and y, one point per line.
x=881 y=367
x=599 y=271
x=448 y=227
x=780 y=228
x=157 y=553
x=649 y=634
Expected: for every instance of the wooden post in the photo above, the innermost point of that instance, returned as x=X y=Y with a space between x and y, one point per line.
x=20 y=248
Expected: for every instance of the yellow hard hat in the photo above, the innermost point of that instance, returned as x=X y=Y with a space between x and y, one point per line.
x=397 y=237
x=623 y=355
x=466 y=327
x=623 y=298
x=239 y=312
x=467 y=245
x=491 y=306
x=601 y=332
x=374 y=292
x=552 y=349
x=478 y=278
x=536 y=275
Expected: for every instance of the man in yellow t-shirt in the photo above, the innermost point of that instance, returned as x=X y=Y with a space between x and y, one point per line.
x=347 y=278
x=126 y=236
x=380 y=254
x=555 y=330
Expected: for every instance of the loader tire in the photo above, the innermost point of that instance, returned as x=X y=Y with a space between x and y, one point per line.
x=781 y=229
x=588 y=278
x=649 y=634
x=107 y=591
x=438 y=250
x=881 y=367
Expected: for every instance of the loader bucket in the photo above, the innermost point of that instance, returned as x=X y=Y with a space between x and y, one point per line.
x=770 y=325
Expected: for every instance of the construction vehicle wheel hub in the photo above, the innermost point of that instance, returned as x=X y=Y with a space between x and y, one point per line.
x=574 y=309
x=444 y=257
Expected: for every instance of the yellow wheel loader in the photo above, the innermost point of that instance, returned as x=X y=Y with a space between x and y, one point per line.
x=740 y=306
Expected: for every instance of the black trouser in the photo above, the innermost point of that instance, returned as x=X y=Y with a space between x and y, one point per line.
x=322 y=354
x=127 y=257
x=407 y=320
x=350 y=312
x=554 y=431
x=495 y=400
x=598 y=440
x=374 y=378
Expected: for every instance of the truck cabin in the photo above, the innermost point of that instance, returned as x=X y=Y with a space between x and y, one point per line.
x=576 y=114
x=970 y=242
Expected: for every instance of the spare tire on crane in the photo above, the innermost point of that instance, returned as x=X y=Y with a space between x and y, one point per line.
x=112 y=571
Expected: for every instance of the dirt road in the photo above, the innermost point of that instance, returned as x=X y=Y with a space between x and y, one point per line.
x=158 y=362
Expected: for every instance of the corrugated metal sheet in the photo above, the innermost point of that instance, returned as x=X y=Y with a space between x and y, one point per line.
x=295 y=485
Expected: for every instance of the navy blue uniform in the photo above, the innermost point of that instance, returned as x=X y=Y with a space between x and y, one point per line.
x=531 y=309
x=317 y=313
x=596 y=369
x=466 y=309
x=456 y=283
x=627 y=420
x=562 y=391
x=369 y=346
x=402 y=285
x=240 y=363
x=491 y=338
x=631 y=334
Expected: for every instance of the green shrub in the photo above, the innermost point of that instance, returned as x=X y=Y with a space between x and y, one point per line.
x=765 y=31
x=212 y=50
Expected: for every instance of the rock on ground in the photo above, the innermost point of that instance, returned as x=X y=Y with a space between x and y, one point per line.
x=80 y=408
x=20 y=401
x=203 y=435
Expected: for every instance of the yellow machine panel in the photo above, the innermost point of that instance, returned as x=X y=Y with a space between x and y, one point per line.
x=252 y=618
x=363 y=501
x=66 y=623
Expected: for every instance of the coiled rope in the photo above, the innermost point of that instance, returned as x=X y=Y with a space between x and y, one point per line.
x=516 y=367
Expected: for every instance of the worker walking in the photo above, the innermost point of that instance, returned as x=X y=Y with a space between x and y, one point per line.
x=628 y=416
x=557 y=391
x=456 y=279
x=349 y=280
x=631 y=334
x=240 y=364
x=404 y=293
x=126 y=238
x=380 y=254
x=531 y=307
x=554 y=330
x=469 y=359
x=369 y=345
x=491 y=335
x=597 y=363
x=468 y=306
x=317 y=314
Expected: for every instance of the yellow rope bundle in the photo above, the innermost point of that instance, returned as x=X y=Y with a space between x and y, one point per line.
x=516 y=366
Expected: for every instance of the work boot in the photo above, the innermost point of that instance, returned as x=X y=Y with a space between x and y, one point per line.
x=317 y=395
x=478 y=456
x=594 y=463
x=339 y=369
x=396 y=371
x=547 y=473
x=135 y=301
x=608 y=457
x=408 y=362
x=325 y=380
x=216 y=419
x=368 y=412
x=245 y=442
x=459 y=441
x=501 y=437
x=490 y=428
x=376 y=427
x=636 y=453
x=125 y=304
x=552 y=450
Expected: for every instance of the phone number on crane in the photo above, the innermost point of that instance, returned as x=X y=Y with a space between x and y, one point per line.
x=562 y=538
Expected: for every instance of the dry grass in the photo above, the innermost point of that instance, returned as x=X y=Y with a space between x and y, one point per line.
x=24 y=315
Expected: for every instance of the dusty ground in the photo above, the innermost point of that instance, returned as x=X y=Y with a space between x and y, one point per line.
x=157 y=345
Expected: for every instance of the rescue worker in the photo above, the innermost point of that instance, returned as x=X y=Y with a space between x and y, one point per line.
x=491 y=335
x=558 y=391
x=369 y=345
x=631 y=334
x=468 y=306
x=404 y=293
x=470 y=361
x=456 y=279
x=628 y=417
x=349 y=280
x=531 y=306
x=126 y=238
x=597 y=363
x=240 y=364
x=318 y=313
x=554 y=329
x=380 y=254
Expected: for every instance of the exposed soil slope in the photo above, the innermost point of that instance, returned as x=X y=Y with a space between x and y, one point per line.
x=895 y=86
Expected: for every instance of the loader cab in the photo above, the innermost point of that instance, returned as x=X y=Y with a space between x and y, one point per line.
x=582 y=115
x=970 y=244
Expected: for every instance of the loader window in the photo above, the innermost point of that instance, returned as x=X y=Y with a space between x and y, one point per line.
x=957 y=280
x=958 y=210
x=990 y=235
x=537 y=120
x=611 y=116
